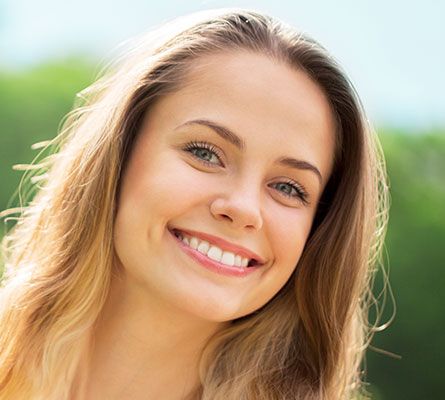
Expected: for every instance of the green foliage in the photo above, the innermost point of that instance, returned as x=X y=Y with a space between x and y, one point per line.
x=416 y=261
x=33 y=102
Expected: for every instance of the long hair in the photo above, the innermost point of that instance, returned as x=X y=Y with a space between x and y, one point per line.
x=307 y=342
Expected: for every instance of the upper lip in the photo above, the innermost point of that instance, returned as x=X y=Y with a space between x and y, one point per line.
x=223 y=244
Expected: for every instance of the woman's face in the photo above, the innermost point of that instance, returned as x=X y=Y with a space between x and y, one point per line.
x=242 y=153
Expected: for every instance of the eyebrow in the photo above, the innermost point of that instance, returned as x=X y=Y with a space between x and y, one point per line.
x=229 y=136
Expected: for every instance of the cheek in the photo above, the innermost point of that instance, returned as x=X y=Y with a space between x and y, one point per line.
x=289 y=230
x=290 y=233
x=151 y=183
x=155 y=190
x=291 y=246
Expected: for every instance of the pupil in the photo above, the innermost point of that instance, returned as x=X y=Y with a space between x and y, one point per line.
x=204 y=153
x=285 y=187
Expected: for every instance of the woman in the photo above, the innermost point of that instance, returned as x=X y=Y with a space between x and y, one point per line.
x=206 y=227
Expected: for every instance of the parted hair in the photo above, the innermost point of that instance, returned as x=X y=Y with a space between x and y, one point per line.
x=307 y=342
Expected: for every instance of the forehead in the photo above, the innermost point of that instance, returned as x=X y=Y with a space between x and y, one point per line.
x=261 y=99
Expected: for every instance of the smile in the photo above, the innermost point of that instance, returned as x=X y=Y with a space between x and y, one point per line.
x=214 y=257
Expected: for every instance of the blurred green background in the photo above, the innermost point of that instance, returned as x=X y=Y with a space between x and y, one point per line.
x=34 y=100
x=383 y=47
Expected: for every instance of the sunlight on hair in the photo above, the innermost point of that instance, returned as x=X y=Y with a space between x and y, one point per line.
x=308 y=342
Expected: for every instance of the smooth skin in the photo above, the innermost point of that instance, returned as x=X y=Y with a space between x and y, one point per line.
x=164 y=305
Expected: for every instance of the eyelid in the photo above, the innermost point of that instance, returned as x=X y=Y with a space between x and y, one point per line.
x=206 y=145
x=302 y=196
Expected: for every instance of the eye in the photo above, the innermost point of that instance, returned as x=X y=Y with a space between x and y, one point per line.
x=293 y=190
x=204 y=152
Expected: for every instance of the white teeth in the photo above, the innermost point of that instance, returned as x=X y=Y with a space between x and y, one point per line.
x=194 y=243
x=228 y=258
x=214 y=252
x=225 y=257
x=203 y=247
x=238 y=260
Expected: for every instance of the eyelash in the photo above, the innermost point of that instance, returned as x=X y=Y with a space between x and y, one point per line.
x=203 y=145
x=191 y=146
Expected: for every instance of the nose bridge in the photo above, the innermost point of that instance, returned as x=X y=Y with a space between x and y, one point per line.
x=245 y=195
x=240 y=201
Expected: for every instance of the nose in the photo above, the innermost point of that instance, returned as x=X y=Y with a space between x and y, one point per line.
x=241 y=208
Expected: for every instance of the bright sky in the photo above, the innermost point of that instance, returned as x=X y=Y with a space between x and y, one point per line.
x=393 y=50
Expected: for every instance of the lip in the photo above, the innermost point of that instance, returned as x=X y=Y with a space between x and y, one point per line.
x=223 y=244
x=213 y=265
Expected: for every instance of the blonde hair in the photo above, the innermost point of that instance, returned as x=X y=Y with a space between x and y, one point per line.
x=307 y=342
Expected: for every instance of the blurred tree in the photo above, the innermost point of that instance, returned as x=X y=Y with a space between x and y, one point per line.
x=415 y=247
x=32 y=104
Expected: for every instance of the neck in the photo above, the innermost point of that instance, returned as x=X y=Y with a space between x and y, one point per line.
x=140 y=348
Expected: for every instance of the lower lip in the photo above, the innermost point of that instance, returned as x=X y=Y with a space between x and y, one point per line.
x=213 y=265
